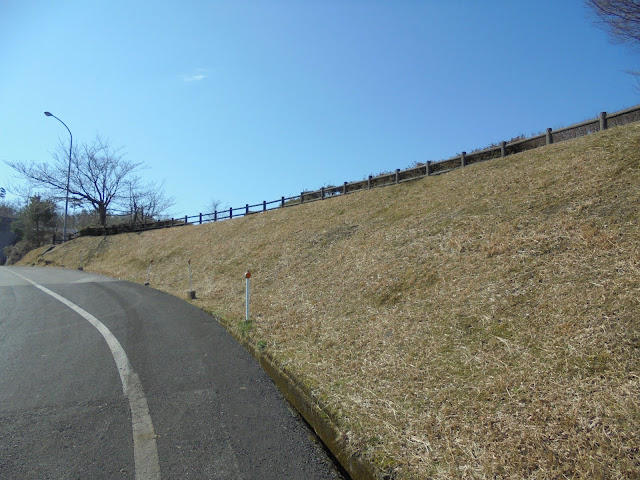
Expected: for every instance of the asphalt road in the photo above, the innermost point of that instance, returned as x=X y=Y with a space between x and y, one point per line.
x=124 y=381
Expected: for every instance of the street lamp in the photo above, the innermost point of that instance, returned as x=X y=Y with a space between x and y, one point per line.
x=66 y=202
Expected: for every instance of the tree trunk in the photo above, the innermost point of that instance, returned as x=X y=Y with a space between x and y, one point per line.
x=102 y=211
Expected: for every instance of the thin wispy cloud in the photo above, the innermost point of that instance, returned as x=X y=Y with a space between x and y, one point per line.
x=194 y=78
x=197 y=76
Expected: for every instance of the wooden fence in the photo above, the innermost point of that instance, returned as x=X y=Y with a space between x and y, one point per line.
x=602 y=122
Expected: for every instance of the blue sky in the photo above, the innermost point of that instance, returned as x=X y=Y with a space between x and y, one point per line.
x=244 y=101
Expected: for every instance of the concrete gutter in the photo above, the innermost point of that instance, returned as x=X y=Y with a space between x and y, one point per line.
x=315 y=415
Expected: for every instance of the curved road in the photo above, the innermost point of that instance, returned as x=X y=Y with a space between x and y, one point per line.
x=101 y=378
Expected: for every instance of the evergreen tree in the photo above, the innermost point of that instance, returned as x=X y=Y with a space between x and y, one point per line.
x=36 y=222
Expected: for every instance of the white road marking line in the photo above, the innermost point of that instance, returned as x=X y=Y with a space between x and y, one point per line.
x=145 y=452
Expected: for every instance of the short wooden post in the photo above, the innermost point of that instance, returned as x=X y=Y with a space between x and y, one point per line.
x=264 y=205
x=246 y=212
x=397 y=175
x=185 y=219
x=503 y=149
x=549 y=137
x=603 y=121
x=322 y=193
x=200 y=218
x=369 y=182
x=282 y=204
x=230 y=212
x=301 y=198
x=344 y=188
x=172 y=221
x=215 y=216
x=463 y=159
x=428 y=168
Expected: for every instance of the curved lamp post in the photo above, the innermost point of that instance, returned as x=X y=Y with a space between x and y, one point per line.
x=66 y=202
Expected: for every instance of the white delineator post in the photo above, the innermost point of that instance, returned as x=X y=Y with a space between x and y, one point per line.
x=149 y=273
x=247 y=276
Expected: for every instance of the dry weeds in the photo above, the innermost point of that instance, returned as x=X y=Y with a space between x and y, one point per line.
x=479 y=324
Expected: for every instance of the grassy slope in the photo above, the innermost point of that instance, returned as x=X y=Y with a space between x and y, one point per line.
x=479 y=324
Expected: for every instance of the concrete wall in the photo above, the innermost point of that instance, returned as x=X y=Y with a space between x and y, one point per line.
x=7 y=237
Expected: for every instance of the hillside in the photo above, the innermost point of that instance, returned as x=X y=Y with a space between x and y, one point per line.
x=479 y=324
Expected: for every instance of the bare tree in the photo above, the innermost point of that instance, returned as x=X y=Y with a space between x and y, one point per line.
x=8 y=209
x=146 y=201
x=620 y=17
x=101 y=177
x=215 y=205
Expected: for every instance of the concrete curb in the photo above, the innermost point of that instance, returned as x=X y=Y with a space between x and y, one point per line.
x=315 y=415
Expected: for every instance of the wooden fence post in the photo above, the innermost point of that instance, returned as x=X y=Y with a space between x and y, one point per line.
x=503 y=149
x=397 y=175
x=344 y=188
x=428 y=168
x=246 y=212
x=215 y=216
x=369 y=182
x=463 y=159
x=185 y=219
x=301 y=198
x=230 y=213
x=549 y=137
x=603 y=121
x=282 y=204
x=322 y=193
x=264 y=205
x=201 y=219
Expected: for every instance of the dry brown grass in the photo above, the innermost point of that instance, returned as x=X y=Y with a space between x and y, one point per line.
x=479 y=324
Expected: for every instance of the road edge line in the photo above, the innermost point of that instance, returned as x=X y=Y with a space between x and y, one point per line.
x=145 y=450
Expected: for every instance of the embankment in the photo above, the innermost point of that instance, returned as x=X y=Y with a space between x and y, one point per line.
x=479 y=324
